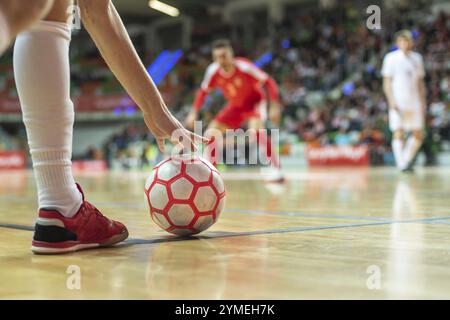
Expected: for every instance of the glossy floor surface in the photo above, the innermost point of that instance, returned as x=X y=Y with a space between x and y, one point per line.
x=325 y=233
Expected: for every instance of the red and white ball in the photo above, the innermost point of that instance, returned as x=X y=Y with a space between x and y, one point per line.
x=185 y=195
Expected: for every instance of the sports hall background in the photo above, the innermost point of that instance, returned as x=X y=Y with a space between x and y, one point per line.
x=321 y=53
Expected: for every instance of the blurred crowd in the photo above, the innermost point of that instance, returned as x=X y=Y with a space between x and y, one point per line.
x=327 y=64
x=132 y=147
x=344 y=62
x=328 y=67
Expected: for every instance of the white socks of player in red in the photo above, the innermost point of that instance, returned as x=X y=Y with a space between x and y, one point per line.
x=42 y=74
x=405 y=154
x=4 y=33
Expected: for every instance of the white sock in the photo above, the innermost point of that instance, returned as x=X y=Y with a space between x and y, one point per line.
x=42 y=74
x=4 y=33
x=411 y=148
x=397 y=148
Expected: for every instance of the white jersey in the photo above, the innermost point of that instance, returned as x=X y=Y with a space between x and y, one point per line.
x=405 y=71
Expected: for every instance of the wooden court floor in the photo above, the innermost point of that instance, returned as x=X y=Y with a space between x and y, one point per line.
x=325 y=234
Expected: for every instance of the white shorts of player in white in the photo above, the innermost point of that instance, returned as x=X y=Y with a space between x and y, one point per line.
x=406 y=120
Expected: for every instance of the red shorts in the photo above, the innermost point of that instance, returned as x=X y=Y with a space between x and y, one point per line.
x=233 y=116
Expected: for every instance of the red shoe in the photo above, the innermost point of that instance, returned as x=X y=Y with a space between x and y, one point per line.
x=55 y=233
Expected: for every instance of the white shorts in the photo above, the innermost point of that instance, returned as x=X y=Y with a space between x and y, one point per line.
x=407 y=120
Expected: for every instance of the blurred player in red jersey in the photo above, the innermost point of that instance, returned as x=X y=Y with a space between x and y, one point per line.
x=242 y=84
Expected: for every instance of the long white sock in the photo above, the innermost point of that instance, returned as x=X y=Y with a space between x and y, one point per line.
x=4 y=33
x=411 y=148
x=42 y=74
x=397 y=148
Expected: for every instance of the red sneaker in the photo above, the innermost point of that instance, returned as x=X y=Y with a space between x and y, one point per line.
x=55 y=233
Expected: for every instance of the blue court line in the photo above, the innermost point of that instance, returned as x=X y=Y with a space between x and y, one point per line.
x=222 y=234
x=16 y=226
x=440 y=222
x=242 y=211
x=246 y=211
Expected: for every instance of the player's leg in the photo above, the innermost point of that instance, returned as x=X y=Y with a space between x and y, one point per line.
x=398 y=137
x=228 y=118
x=412 y=146
x=414 y=123
x=395 y=125
x=266 y=148
x=257 y=122
x=214 y=132
x=42 y=74
x=19 y=15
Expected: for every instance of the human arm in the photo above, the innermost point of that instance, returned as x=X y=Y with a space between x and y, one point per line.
x=105 y=26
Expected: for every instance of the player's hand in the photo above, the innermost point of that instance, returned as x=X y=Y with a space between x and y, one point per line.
x=275 y=113
x=163 y=125
x=191 y=118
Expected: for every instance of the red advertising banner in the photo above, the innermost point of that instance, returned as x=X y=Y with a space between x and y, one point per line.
x=338 y=155
x=89 y=165
x=85 y=103
x=12 y=160
x=105 y=103
x=9 y=105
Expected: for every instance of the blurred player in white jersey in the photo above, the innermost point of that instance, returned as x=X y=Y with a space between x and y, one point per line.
x=403 y=83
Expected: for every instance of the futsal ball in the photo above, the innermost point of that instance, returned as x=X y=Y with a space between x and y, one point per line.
x=185 y=194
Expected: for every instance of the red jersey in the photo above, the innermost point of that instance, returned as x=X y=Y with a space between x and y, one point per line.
x=242 y=88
